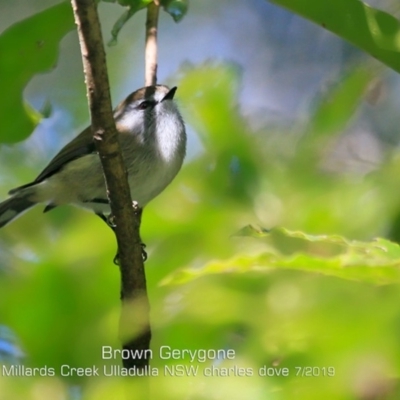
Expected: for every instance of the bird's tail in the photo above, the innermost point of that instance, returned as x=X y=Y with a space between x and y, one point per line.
x=13 y=207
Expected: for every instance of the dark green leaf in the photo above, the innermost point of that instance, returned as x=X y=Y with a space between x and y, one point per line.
x=176 y=8
x=46 y=110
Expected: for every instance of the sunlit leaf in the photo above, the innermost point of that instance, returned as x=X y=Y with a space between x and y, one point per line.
x=375 y=262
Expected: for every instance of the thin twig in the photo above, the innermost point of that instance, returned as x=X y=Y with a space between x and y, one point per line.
x=151 y=43
x=127 y=218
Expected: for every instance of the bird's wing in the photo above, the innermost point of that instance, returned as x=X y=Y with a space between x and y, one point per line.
x=80 y=146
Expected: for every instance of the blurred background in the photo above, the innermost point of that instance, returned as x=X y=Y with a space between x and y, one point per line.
x=290 y=129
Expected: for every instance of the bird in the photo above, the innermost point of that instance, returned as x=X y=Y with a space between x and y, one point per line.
x=152 y=137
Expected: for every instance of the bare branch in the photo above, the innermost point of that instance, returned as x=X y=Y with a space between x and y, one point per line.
x=127 y=218
x=151 y=43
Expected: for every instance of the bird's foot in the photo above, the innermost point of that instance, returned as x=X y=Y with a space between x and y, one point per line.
x=144 y=255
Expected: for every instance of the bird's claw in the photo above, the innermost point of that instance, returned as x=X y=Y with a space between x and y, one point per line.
x=144 y=255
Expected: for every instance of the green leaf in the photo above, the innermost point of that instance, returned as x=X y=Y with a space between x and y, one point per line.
x=253 y=231
x=335 y=110
x=46 y=110
x=29 y=47
x=133 y=6
x=376 y=262
x=176 y=8
x=374 y=31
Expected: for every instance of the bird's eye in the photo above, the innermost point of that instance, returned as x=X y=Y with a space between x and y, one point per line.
x=144 y=105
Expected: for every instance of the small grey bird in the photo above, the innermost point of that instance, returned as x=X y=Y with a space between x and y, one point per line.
x=153 y=144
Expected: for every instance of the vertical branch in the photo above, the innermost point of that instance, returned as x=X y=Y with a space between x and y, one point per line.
x=127 y=218
x=151 y=43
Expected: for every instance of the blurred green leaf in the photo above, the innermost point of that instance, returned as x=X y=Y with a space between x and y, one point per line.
x=29 y=47
x=133 y=6
x=373 y=30
x=176 y=8
x=375 y=262
x=46 y=110
x=338 y=107
x=229 y=164
x=209 y=88
x=253 y=231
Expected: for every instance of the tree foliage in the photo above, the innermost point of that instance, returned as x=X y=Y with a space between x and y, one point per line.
x=254 y=247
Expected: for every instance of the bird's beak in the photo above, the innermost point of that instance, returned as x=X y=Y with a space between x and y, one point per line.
x=170 y=95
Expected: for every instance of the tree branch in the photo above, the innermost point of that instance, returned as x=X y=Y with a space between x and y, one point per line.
x=151 y=43
x=127 y=218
